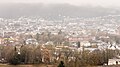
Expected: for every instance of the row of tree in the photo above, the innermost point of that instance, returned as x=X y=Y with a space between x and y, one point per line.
x=29 y=54
x=26 y=54
x=87 y=58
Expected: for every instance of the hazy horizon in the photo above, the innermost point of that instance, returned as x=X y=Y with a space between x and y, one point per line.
x=103 y=3
x=52 y=8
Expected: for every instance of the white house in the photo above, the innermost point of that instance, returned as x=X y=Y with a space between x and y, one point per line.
x=114 y=62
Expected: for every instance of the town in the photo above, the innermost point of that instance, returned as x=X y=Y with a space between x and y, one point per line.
x=73 y=40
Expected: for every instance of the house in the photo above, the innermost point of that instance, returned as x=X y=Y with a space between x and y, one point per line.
x=9 y=34
x=114 y=61
x=32 y=41
x=85 y=43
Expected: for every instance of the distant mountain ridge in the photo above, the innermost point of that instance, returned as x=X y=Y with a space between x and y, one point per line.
x=54 y=10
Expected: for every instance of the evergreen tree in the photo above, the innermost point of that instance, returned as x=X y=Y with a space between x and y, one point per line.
x=61 y=64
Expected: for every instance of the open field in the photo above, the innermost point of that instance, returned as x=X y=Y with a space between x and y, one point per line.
x=43 y=65
x=40 y=65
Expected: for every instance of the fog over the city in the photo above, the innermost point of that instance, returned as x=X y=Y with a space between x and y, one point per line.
x=59 y=33
x=73 y=2
x=54 y=8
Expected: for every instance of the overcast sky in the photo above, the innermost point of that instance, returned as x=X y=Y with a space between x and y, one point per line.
x=73 y=2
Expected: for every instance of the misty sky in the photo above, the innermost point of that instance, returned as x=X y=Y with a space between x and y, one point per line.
x=72 y=2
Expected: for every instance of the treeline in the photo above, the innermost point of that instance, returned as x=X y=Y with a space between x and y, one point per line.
x=24 y=54
x=30 y=54
x=87 y=58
